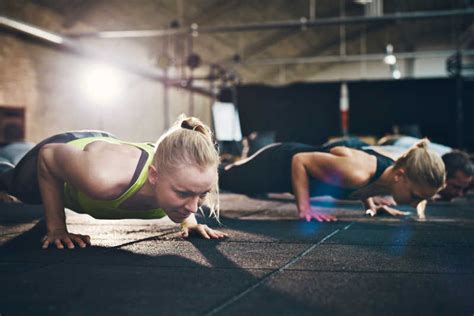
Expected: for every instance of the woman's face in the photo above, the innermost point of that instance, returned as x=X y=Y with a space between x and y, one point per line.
x=405 y=191
x=179 y=192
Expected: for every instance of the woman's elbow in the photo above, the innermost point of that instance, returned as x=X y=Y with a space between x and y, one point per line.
x=297 y=160
x=45 y=155
x=297 y=165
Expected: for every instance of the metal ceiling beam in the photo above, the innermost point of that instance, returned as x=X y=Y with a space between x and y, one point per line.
x=317 y=49
x=302 y=23
x=350 y=58
x=329 y=60
x=32 y=31
x=83 y=50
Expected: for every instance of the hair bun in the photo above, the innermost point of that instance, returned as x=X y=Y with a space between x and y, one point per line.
x=423 y=143
x=194 y=124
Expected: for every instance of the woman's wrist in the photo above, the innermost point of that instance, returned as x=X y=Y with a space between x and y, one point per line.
x=369 y=203
x=190 y=220
x=304 y=208
x=56 y=229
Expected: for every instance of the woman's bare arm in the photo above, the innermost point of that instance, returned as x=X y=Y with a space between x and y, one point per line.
x=340 y=167
x=57 y=164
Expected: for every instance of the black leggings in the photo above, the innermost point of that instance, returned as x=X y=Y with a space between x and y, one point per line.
x=22 y=181
x=268 y=170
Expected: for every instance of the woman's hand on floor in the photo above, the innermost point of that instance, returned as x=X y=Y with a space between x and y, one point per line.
x=384 y=200
x=320 y=216
x=63 y=238
x=385 y=209
x=377 y=205
x=203 y=230
x=190 y=225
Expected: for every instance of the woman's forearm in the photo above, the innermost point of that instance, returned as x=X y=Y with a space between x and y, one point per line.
x=369 y=203
x=51 y=188
x=370 y=207
x=300 y=183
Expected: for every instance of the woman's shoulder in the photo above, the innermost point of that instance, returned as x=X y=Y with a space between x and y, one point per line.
x=113 y=167
x=353 y=166
x=359 y=165
x=112 y=151
x=357 y=155
x=343 y=151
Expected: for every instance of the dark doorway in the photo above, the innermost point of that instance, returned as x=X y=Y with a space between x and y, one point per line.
x=12 y=124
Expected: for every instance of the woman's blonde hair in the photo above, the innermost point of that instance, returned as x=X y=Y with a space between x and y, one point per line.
x=190 y=142
x=423 y=166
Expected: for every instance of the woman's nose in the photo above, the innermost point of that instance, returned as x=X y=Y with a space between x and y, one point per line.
x=192 y=205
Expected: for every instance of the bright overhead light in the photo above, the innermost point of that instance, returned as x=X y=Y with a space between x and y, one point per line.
x=102 y=83
x=396 y=74
x=390 y=59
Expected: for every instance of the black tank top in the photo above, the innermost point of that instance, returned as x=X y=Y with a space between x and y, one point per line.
x=318 y=188
x=282 y=155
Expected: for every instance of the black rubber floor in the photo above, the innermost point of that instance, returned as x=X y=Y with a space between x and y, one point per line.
x=273 y=264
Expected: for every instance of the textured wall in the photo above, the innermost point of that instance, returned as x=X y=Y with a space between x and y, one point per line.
x=46 y=82
x=18 y=80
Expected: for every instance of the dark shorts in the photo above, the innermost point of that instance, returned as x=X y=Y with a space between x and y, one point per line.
x=22 y=181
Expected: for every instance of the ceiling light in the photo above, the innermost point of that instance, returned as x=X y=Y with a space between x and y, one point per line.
x=390 y=59
x=396 y=74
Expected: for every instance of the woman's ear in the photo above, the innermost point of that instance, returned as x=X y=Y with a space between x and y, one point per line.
x=152 y=174
x=399 y=174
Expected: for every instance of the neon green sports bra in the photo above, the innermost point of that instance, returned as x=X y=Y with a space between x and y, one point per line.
x=110 y=209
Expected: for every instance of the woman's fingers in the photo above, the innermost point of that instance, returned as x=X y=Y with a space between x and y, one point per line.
x=68 y=240
x=215 y=233
x=327 y=218
x=394 y=212
x=45 y=242
x=79 y=240
x=371 y=212
x=88 y=240
x=211 y=233
x=219 y=233
x=58 y=244
x=320 y=217
x=184 y=232
x=202 y=231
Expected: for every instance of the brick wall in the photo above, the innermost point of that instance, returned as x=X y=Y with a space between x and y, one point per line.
x=46 y=81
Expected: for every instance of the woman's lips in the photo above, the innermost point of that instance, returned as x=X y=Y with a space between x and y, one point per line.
x=181 y=216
